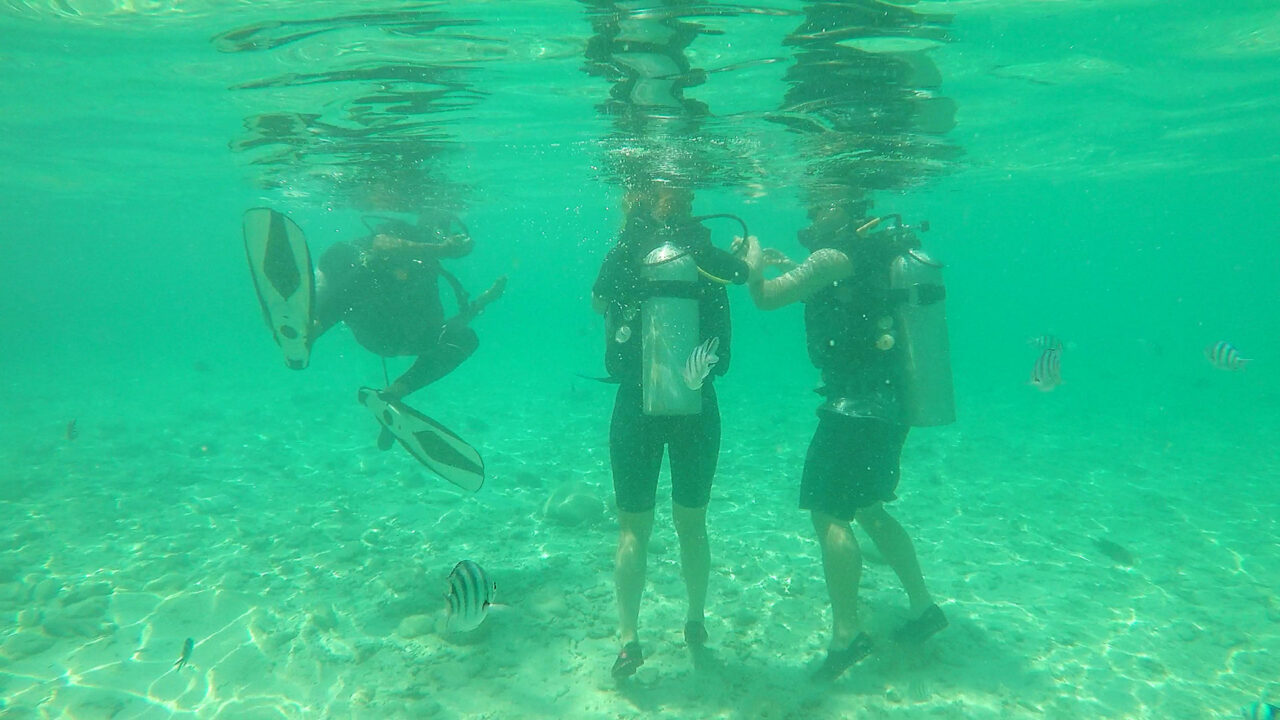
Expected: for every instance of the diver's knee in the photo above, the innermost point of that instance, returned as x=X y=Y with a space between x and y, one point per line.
x=691 y=523
x=873 y=519
x=632 y=548
x=833 y=533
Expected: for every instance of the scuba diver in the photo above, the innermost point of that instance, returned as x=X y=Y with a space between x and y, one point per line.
x=876 y=328
x=662 y=291
x=386 y=288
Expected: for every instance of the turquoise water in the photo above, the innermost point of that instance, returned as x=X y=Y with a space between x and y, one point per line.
x=1109 y=178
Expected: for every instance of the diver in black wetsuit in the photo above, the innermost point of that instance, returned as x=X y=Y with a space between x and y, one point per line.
x=642 y=425
x=386 y=288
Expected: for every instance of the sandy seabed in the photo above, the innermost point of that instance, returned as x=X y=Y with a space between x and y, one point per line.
x=1092 y=566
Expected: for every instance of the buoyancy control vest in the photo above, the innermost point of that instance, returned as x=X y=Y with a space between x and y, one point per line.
x=880 y=337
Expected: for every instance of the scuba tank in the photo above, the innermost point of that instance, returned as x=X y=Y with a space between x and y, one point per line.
x=920 y=331
x=669 y=330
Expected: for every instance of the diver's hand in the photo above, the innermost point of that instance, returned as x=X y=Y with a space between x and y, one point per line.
x=776 y=259
x=493 y=293
x=456 y=246
x=748 y=249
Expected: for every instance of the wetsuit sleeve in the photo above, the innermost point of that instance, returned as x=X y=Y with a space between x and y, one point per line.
x=819 y=270
x=608 y=284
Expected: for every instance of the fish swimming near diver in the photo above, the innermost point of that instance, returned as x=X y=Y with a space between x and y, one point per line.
x=1224 y=356
x=700 y=362
x=471 y=594
x=185 y=657
x=1047 y=373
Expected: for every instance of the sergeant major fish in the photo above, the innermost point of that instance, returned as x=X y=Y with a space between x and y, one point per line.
x=700 y=362
x=1045 y=342
x=1224 y=356
x=1047 y=374
x=471 y=594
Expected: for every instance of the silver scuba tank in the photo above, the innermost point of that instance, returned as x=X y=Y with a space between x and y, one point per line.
x=921 y=337
x=669 y=333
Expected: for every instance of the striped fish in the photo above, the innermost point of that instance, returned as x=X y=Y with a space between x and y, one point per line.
x=1046 y=342
x=1224 y=356
x=471 y=593
x=1260 y=711
x=700 y=362
x=1047 y=374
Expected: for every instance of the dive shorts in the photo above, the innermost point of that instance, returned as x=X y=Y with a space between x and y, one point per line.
x=636 y=442
x=852 y=463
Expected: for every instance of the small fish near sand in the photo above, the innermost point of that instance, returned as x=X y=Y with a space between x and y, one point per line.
x=1224 y=356
x=73 y=431
x=700 y=362
x=185 y=657
x=1047 y=373
x=471 y=593
x=1115 y=551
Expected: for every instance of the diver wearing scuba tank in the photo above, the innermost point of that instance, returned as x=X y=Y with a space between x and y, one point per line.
x=386 y=288
x=872 y=315
x=643 y=312
x=667 y=337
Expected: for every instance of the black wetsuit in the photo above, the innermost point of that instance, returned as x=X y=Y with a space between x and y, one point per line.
x=636 y=440
x=392 y=304
x=853 y=460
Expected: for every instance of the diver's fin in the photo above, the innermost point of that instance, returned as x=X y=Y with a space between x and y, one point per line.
x=434 y=445
x=385 y=439
x=282 y=274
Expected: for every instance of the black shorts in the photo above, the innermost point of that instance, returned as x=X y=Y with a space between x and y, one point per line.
x=852 y=463
x=636 y=441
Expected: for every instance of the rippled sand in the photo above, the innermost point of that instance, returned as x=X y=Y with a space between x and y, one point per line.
x=261 y=521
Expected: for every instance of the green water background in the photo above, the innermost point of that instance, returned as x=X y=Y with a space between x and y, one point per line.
x=1117 y=189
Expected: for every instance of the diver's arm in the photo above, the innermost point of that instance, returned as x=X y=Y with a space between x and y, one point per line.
x=823 y=267
x=473 y=308
x=605 y=288
x=453 y=247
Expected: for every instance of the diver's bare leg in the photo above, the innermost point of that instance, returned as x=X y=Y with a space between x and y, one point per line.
x=629 y=569
x=695 y=556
